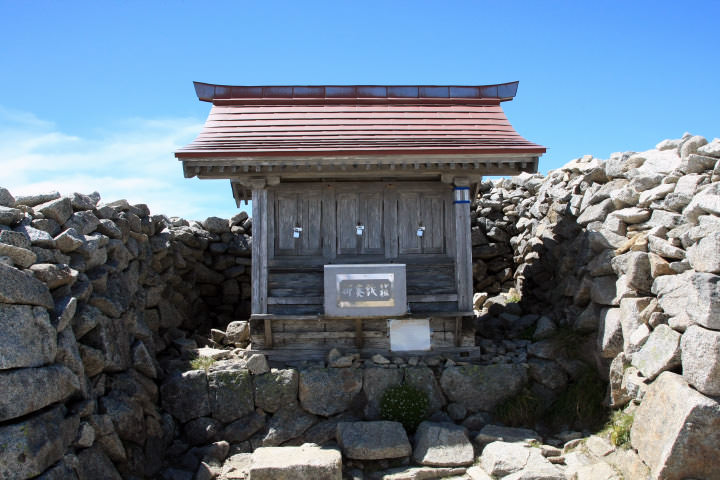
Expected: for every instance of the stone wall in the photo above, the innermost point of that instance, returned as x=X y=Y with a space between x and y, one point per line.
x=625 y=254
x=91 y=296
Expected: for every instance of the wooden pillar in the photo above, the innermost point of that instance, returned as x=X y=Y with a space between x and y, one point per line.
x=259 y=248
x=463 y=245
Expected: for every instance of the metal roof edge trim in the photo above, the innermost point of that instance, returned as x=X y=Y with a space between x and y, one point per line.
x=239 y=94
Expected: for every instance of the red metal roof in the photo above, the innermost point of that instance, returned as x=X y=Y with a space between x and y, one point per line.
x=290 y=121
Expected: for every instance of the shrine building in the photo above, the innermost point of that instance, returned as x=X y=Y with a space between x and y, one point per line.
x=360 y=205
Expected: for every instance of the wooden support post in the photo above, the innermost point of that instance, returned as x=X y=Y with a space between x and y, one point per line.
x=359 y=333
x=259 y=247
x=458 y=331
x=463 y=245
x=268 y=333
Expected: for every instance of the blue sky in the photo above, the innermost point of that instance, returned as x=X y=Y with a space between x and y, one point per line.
x=97 y=95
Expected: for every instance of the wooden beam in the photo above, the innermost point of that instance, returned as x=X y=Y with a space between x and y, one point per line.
x=358 y=332
x=268 y=333
x=463 y=245
x=259 y=248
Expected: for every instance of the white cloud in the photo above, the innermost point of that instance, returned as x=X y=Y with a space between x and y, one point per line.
x=131 y=159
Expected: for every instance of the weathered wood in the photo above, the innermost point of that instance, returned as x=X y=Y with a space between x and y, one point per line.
x=450 y=297
x=458 y=326
x=268 y=333
x=259 y=251
x=463 y=250
x=329 y=227
x=295 y=300
x=359 y=336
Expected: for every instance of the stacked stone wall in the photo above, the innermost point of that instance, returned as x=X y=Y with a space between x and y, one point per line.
x=91 y=296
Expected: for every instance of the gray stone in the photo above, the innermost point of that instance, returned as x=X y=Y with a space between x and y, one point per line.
x=201 y=431
x=107 y=227
x=501 y=458
x=603 y=290
x=544 y=329
x=375 y=382
x=6 y=198
x=10 y=216
x=677 y=430
x=16 y=239
x=21 y=257
x=701 y=359
x=38 y=237
x=423 y=378
x=257 y=364
x=21 y=287
x=691 y=297
x=93 y=360
x=230 y=393
x=95 y=464
x=661 y=352
x=630 y=318
x=142 y=360
x=276 y=389
x=373 y=440
x=36 y=199
x=65 y=469
x=538 y=468
x=26 y=390
x=69 y=240
x=80 y=201
x=185 y=396
x=244 y=428
x=610 y=335
x=68 y=353
x=286 y=424
x=31 y=446
x=295 y=463
x=59 y=209
x=705 y=255
x=28 y=338
x=53 y=275
x=442 y=445
x=482 y=387
x=111 y=338
x=691 y=145
x=126 y=415
x=495 y=433
x=547 y=373
x=711 y=149
x=83 y=222
x=596 y=213
x=655 y=194
x=237 y=332
x=216 y=225
x=327 y=391
x=631 y=215
x=664 y=248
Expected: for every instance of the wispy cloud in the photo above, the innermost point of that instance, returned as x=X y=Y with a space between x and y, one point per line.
x=132 y=159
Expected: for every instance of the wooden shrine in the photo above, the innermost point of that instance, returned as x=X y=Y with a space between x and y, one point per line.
x=360 y=204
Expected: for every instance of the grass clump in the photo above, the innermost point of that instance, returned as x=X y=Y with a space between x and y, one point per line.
x=405 y=404
x=202 y=363
x=519 y=410
x=619 y=428
x=513 y=298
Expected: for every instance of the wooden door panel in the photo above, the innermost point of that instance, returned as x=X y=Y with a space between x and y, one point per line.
x=347 y=220
x=408 y=222
x=372 y=218
x=286 y=219
x=311 y=223
x=433 y=211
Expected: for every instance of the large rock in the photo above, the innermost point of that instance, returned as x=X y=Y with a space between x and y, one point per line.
x=498 y=433
x=596 y=213
x=28 y=338
x=307 y=462
x=289 y=422
x=610 y=335
x=6 y=198
x=661 y=352
x=676 y=430
x=111 y=338
x=705 y=255
x=373 y=440
x=275 y=389
x=327 y=391
x=603 y=290
x=701 y=359
x=33 y=445
x=10 y=216
x=692 y=297
x=442 y=445
x=59 y=209
x=375 y=382
x=244 y=428
x=424 y=379
x=95 y=464
x=185 y=396
x=501 y=458
x=26 y=390
x=482 y=387
x=230 y=393
x=21 y=287
x=20 y=257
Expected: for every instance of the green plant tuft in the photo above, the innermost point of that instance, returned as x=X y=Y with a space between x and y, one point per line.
x=202 y=363
x=519 y=410
x=405 y=404
x=513 y=299
x=619 y=428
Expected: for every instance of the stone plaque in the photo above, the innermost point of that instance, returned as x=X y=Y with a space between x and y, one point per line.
x=365 y=290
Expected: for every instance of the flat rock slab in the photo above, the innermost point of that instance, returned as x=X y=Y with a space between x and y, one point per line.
x=21 y=287
x=26 y=390
x=28 y=338
x=307 y=462
x=327 y=391
x=373 y=440
x=494 y=433
x=676 y=430
x=186 y=396
x=701 y=359
x=661 y=352
x=421 y=473
x=442 y=445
